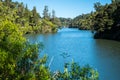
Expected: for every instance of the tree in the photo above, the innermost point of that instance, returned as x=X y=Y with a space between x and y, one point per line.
x=97 y=6
x=54 y=19
x=34 y=19
x=26 y=13
x=53 y=14
x=10 y=39
x=30 y=21
x=19 y=58
x=82 y=21
x=107 y=21
x=8 y=2
x=65 y=21
x=45 y=13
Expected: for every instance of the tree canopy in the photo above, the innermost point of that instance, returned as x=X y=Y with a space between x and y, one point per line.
x=29 y=20
x=104 y=20
x=107 y=21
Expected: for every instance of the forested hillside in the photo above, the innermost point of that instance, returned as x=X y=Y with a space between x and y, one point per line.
x=105 y=20
x=65 y=22
x=81 y=22
x=28 y=20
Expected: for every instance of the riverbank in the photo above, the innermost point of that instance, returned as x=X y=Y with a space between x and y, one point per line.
x=108 y=35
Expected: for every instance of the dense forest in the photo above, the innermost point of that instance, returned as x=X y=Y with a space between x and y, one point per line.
x=19 y=59
x=65 y=22
x=29 y=20
x=107 y=21
x=104 y=21
x=81 y=22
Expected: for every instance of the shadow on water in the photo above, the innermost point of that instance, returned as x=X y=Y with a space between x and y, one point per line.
x=108 y=59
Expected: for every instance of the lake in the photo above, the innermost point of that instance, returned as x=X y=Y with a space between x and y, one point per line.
x=102 y=55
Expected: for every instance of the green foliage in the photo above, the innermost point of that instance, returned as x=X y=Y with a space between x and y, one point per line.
x=29 y=21
x=106 y=21
x=98 y=6
x=65 y=21
x=45 y=13
x=55 y=20
x=46 y=28
x=19 y=58
x=74 y=72
x=82 y=22
x=49 y=23
x=9 y=36
x=103 y=19
x=10 y=48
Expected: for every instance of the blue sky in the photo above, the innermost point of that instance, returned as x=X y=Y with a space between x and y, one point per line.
x=64 y=8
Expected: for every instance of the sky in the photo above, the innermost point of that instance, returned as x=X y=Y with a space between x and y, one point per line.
x=64 y=8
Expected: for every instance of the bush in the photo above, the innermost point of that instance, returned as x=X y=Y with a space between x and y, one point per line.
x=74 y=72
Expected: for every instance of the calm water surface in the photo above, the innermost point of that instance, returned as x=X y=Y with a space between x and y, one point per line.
x=103 y=55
